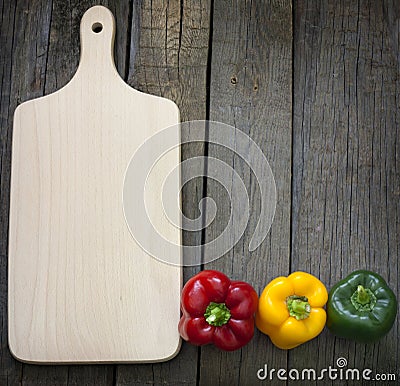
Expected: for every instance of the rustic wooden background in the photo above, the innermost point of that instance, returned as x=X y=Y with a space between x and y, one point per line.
x=315 y=83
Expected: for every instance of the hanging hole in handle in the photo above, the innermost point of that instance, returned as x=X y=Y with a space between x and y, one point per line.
x=97 y=27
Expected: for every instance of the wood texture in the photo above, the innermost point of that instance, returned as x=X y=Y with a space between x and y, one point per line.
x=23 y=68
x=251 y=90
x=61 y=62
x=343 y=208
x=168 y=57
x=346 y=159
x=80 y=288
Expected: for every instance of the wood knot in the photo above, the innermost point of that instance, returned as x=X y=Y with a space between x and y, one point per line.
x=233 y=80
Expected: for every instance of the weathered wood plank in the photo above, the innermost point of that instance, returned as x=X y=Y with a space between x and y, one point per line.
x=44 y=54
x=10 y=370
x=346 y=159
x=24 y=55
x=251 y=89
x=64 y=44
x=168 y=57
x=91 y=375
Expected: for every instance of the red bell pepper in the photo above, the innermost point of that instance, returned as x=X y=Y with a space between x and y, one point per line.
x=217 y=310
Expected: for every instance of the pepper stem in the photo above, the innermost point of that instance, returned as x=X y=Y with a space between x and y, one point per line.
x=298 y=307
x=217 y=314
x=363 y=299
x=362 y=295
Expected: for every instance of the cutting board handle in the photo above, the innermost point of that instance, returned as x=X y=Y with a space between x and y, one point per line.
x=97 y=42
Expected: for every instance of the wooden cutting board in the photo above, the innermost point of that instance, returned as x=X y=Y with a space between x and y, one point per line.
x=80 y=289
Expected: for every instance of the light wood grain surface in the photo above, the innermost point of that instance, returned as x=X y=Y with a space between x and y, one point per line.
x=80 y=288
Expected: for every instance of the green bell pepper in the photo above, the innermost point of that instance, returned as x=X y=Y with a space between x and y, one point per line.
x=361 y=307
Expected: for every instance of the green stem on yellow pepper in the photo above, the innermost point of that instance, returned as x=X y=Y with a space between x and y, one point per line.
x=298 y=307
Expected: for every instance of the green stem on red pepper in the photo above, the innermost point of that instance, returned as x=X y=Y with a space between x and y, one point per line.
x=217 y=310
x=217 y=314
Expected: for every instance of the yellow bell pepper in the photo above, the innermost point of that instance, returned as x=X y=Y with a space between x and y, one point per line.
x=290 y=309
